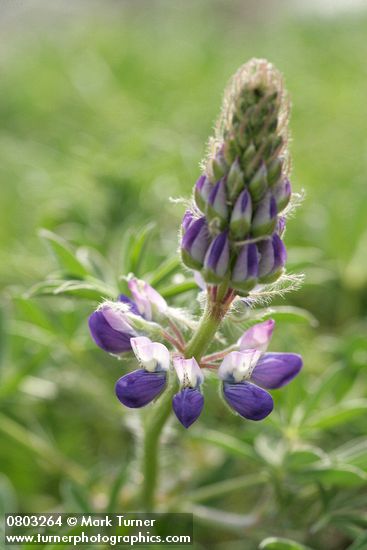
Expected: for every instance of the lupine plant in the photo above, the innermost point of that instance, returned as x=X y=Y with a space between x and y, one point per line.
x=232 y=238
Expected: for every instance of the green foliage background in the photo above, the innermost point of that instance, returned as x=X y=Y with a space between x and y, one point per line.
x=104 y=114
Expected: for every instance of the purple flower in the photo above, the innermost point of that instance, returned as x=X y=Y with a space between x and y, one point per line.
x=275 y=370
x=128 y=301
x=248 y=400
x=265 y=217
x=201 y=192
x=273 y=256
x=243 y=372
x=148 y=301
x=217 y=202
x=187 y=405
x=110 y=328
x=140 y=387
x=282 y=193
x=245 y=270
x=241 y=216
x=189 y=401
x=258 y=336
x=216 y=263
x=195 y=243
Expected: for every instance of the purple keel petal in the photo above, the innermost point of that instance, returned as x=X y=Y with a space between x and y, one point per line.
x=126 y=300
x=275 y=370
x=188 y=404
x=106 y=337
x=248 y=400
x=138 y=388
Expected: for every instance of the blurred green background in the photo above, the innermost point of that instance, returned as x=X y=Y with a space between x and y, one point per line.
x=105 y=110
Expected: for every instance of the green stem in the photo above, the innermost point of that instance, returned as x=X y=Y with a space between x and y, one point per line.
x=152 y=432
x=208 y=325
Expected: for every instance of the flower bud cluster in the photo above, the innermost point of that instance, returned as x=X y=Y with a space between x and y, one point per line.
x=233 y=232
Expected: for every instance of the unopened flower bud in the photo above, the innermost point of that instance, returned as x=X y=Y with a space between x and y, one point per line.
x=216 y=262
x=258 y=183
x=258 y=336
x=187 y=220
x=148 y=301
x=282 y=193
x=274 y=171
x=195 y=244
x=201 y=192
x=273 y=256
x=218 y=166
x=235 y=181
x=217 y=203
x=265 y=217
x=240 y=222
x=245 y=271
x=249 y=154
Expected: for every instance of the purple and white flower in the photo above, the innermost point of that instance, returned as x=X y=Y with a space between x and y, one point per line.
x=189 y=401
x=110 y=327
x=246 y=373
x=140 y=387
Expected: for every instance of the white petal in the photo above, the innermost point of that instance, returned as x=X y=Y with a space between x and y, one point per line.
x=188 y=371
x=238 y=365
x=151 y=355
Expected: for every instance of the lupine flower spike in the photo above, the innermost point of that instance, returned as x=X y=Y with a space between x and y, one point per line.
x=232 y=238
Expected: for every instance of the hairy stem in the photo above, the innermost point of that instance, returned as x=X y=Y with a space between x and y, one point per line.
x=150 y=453
x=208 y=325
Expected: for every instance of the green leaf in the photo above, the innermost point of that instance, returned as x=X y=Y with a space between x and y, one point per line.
x=290 y=314
x=137 y=248
x=301 y=458
x=75 y=496
x=277 y=543
x=335 y=416
x=353 y=452
x=88 y=290
x=225 y=441
x=32 y=312
x=180 y=288
x=343 y=475
x=165 y=270
x=360 y=543
x=65 y=256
